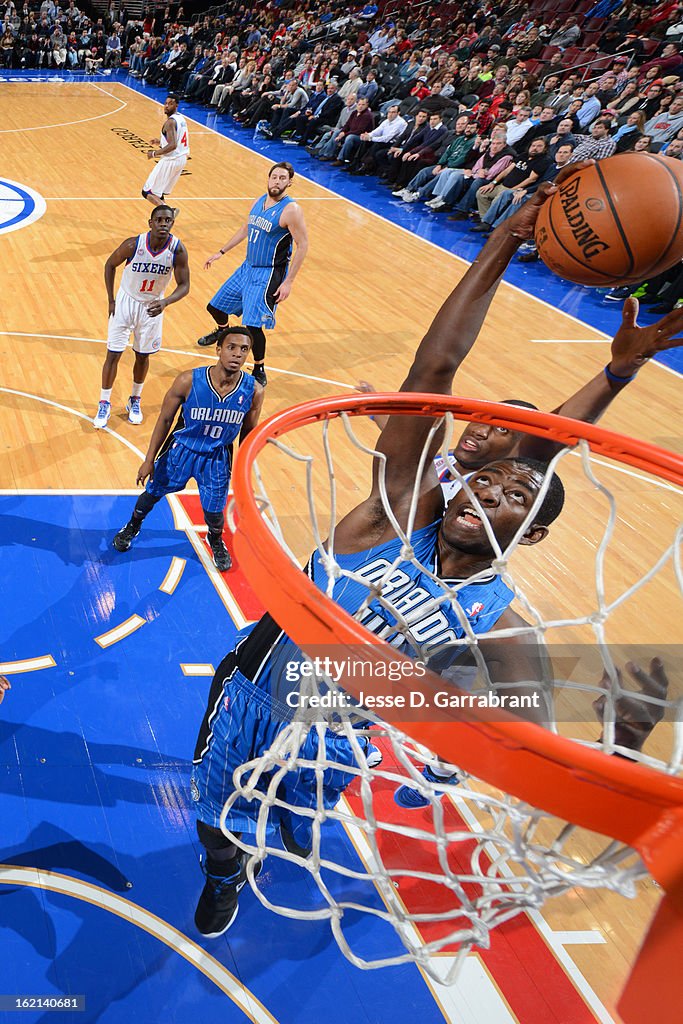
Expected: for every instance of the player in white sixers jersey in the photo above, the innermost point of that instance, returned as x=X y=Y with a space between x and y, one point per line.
x=172 y=154
x=214 y=406
x=248 y=703
x=266 y=276
x=150 y=259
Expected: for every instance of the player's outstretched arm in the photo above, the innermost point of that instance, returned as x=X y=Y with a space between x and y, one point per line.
x=174 y=398
x=632 y=347
x=125 y=252
x=181 y=272
x=238 y=237
x=293 y=218
x=450 y=339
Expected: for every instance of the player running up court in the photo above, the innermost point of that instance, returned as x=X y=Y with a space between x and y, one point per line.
x=249 y=698
x=219 y=403
x=172 y=154
x=263 y=280
x=139 y=304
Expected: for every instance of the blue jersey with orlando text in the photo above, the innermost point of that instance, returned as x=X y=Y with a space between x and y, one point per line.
x=268 y=245
x=430 y=625
x=208 y=420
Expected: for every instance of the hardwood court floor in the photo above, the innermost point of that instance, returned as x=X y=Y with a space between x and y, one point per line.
x=358 y=310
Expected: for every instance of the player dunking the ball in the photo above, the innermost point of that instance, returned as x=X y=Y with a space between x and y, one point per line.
x=139 y=304
x=172 y=154
x=249 y=697
x=266 y=276
x=215 y=405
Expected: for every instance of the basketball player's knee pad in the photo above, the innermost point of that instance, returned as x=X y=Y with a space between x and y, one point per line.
x=258 y=343
x=211 y=838
x=221 y=318
x=145 y=193
x=215 y=521
x=145 y=504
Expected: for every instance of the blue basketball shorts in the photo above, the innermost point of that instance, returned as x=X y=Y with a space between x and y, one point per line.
x=243 y=724
x=250 y=294
x=178 y=464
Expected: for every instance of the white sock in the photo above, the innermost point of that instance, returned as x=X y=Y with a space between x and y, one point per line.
x=105 y=395
x=136 y=390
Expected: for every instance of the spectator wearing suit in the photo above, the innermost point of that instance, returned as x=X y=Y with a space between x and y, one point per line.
x=454 y=156
x=413 y=133
x=417 y=156
x=568 y=35
x=369 y=89
x=323 y=118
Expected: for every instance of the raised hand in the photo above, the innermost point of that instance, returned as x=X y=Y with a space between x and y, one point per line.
x=634 y=345
x=522 y=224
x=635 y=718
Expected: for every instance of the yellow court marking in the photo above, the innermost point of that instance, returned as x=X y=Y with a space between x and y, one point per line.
x=120 y=632
x=198 y=669
x=172 y=577
x=27 y=665
x=39 y=878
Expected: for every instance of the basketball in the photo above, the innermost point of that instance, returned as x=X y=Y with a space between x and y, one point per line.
x=619 y=221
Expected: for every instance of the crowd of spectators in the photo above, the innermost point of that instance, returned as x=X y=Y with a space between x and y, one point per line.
x=464 y=108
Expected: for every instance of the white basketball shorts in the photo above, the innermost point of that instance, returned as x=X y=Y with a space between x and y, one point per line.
x=164 y=176
x=131 y=317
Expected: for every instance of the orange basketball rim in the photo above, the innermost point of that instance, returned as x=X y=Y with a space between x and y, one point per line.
x=632 y=803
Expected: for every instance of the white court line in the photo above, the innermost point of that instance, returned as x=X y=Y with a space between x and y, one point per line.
x=178 y=351
x=407 y=231
x=74 y=412
x=49 y=491
x=133 y=914
x=185 y=199
x=589 y=938
x=172 y=577
x=197 y=669
x=120 y=632
x=27 y=665
x=183 y=522
x=66 y=124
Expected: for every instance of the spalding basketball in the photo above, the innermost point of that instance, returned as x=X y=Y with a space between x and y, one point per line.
x=619 y=221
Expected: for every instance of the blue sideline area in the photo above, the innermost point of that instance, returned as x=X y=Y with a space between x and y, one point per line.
x=94 y=785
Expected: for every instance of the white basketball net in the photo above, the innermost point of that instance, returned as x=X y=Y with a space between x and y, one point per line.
x=490 y=855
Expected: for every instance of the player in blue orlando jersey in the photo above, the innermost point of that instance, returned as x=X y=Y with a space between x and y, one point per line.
x=215 y=405
x=248 y=703
x=266 y=276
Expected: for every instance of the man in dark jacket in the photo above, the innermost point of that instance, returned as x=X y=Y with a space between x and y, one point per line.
x=421 y=153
